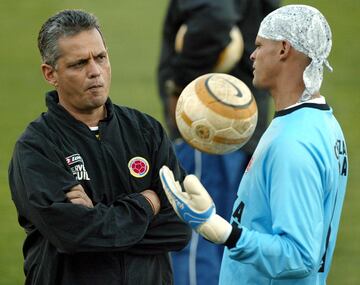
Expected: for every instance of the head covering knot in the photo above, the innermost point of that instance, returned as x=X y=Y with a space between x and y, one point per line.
x=307 y=30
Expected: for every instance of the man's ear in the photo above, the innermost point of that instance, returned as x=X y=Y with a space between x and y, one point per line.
x=49 y=74
x=285 y=49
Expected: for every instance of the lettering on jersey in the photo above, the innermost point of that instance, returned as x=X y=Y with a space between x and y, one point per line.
x=238 y=212
x=77 y=166
x=138 y=166
x=341 y=155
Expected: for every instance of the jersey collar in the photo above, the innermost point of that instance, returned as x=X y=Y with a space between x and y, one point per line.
x=317 y=103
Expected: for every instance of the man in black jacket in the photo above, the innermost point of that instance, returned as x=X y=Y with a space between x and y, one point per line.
x=84 y=175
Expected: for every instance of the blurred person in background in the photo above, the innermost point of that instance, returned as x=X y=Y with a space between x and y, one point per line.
x=195 y=36
x=84 y=175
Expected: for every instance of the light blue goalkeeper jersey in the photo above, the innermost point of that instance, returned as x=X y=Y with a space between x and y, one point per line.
x=289 y=201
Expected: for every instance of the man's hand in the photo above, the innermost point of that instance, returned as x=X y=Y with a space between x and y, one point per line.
x=153 y=200
x=195 y=206
x=77 y=195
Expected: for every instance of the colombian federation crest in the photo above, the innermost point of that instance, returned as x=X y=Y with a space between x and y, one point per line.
x=138 y=166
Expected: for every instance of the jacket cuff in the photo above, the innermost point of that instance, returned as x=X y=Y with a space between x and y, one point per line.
x=143 y=203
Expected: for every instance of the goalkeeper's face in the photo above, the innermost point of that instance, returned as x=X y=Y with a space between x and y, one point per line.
x=82 y=74
x=266 y=58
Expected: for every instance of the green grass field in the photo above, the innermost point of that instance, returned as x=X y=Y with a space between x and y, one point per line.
x=132 y=30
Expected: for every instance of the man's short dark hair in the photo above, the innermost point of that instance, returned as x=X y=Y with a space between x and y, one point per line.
x=64 y=23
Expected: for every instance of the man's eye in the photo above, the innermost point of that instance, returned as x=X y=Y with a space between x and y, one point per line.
x=101 y=57
x=78 y=64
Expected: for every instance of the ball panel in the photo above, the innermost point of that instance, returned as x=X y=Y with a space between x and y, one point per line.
x=186 y=119
x=229 y=141
x=224 y=97
x=202 y=131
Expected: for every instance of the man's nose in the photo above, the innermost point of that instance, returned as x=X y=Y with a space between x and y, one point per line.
x=93 y=69
x=252 y=55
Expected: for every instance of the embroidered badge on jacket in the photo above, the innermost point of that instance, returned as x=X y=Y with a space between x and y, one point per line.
x=138 y=166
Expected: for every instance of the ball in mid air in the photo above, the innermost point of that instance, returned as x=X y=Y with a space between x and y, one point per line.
x=216 y=113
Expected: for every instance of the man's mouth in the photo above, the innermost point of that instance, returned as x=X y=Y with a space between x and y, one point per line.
x=95 y=86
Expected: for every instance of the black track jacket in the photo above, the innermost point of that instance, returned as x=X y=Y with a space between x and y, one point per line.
x=119 y=241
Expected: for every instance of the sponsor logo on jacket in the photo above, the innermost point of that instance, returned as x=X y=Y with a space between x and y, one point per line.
x=77 y=166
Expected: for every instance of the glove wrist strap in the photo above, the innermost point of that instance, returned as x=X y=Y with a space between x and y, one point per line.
x=233 y=237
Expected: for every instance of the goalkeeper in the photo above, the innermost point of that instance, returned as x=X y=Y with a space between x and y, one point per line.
x=208 y=25
x=286 y=216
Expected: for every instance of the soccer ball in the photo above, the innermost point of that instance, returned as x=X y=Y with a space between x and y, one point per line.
x=229 y=56
x=216 y=113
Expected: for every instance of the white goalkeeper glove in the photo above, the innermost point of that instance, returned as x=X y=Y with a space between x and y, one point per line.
x=195 y=206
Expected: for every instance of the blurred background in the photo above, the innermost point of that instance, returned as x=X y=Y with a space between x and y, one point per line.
x=132 y=30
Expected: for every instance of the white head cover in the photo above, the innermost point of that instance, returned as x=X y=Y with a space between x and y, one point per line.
x=307 y=30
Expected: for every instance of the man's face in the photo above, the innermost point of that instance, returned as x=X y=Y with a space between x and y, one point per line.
x=82 y=74
x=265 y=62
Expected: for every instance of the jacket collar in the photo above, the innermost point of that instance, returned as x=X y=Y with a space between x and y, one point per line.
x=52 y=102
